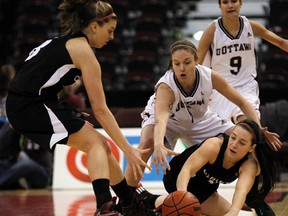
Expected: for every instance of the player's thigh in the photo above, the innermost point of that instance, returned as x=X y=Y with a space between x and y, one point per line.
x=85 y=138
x=215 y=205
x=147 y=137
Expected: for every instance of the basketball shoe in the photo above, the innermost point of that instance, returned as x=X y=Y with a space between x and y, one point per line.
x=108 y=209
x=145 y=197
x=137 y=209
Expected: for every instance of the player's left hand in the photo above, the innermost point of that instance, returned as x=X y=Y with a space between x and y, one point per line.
x=272 y=138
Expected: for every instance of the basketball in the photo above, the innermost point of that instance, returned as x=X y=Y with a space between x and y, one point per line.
x=181 y=203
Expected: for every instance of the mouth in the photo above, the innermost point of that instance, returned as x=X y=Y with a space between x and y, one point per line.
x=183 y=75
x=234 y=152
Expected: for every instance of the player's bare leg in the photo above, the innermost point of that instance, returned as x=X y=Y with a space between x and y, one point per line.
x=146 y=141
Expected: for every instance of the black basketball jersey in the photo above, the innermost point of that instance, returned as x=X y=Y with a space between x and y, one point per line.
x=215 y=173
x=32 y=103
x=207 y=179
x=46 y=70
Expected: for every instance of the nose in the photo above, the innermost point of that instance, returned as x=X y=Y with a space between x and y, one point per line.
x=230 y=3
x=111 y=36
x=182 y=67
x=234 y=145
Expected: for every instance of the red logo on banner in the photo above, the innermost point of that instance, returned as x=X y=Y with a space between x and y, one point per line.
x=73 y=166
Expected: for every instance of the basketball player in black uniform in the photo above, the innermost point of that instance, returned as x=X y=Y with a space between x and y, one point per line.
x=33 y=108
x=222 y=159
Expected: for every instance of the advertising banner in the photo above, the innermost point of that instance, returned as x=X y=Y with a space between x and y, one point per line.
x=70 y=168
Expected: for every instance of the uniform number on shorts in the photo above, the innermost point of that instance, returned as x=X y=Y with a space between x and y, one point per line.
x=236 y=63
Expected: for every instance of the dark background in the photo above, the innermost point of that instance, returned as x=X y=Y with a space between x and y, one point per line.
x=133 y=62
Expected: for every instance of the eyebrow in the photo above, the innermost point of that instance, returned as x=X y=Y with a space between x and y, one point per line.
x=186 y=59
x=247 y=141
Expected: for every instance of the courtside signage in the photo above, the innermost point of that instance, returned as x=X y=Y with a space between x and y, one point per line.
x=70 y=168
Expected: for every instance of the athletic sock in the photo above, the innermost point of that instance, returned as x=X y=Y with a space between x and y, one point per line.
x=101 y=191
x=124 y=192
x=132 y=188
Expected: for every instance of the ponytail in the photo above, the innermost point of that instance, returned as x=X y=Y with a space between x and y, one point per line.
x=75 y=15
x=266 y=159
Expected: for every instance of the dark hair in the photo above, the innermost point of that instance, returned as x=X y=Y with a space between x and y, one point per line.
x=265 y=156
x=219 y=1
x=183 y=44
x=75 y=15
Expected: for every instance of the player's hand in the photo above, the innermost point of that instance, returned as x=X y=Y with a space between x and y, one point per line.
x=85 y=114
x=160 y=157
x=272 y=138
x=89 y=123
x=231 y=214
x=136 y=163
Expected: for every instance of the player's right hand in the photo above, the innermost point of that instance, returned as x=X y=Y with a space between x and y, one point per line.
x=160 y=157
x=136 y=163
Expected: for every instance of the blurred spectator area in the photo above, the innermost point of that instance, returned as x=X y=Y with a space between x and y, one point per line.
x=139 y=54
x=33 y=23
x=126 y=117
x=273 y=62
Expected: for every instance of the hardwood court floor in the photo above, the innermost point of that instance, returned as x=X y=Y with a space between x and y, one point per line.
x=82 y=202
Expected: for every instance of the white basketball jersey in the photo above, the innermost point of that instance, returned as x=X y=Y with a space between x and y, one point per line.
x=234 y=58
x=190 y=119
x=190 y=108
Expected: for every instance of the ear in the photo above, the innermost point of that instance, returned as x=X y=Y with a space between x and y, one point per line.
x=94 y=26
x=252 y=148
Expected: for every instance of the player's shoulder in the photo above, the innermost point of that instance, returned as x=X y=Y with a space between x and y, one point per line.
x=211 y=27
x=255 y=24
x=211 y=147
x=251 y=163
x=201 y=67
x=80 y=47
x=213 y=144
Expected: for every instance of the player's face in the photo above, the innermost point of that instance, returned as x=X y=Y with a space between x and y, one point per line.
x=183 y=62
x=240 y=143
x=103 y=34
x=230 y=7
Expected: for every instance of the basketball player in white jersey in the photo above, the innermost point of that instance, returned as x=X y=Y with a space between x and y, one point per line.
x=227 y=46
